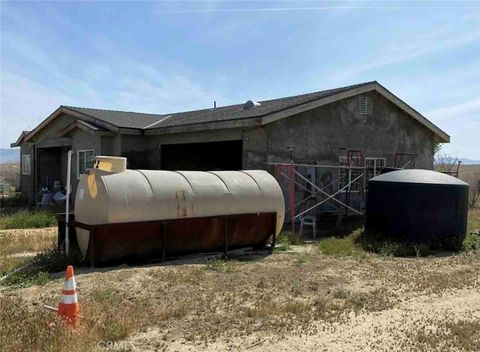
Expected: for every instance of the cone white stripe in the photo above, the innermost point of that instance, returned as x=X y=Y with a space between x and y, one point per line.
x=69 y=284
x=69 y=299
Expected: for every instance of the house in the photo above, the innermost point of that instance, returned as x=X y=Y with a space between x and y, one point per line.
x=310 y=128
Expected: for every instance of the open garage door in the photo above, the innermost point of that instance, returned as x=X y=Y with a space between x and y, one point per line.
x=211 y=156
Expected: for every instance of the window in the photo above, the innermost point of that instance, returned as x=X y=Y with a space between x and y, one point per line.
x=374 y=167
x=85 y=160
x=347 y=175
x=365 y=105
x=26 y=164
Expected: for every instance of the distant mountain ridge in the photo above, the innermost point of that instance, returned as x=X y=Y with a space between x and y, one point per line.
x=8 y=155
x=466 y=161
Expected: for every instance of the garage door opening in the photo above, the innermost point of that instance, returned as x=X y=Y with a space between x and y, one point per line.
x=212 y=156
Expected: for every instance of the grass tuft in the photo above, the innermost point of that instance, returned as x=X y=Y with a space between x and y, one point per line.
x=221 y=265
x=39 y=268
x=342 y=247
x=24 y=219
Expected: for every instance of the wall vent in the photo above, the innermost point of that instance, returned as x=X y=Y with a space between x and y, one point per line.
x=365 y=105
x=250 y=104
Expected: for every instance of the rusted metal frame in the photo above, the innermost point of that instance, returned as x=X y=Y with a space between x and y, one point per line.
x=164 y=240
x=225 y=238
x=330 y=197
x=274 y=235
x=94 y=229
x=88 y=227
x=91 y=247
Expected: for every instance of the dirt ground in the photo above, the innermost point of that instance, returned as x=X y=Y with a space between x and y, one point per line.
x=299 y=300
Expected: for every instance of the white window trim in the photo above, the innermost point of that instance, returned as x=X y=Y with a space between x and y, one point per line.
x=342 y=183
x=78 y=159
x=375 y=164
x=24 y=172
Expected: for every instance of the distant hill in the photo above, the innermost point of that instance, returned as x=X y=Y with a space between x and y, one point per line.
x=466 y=161
x=8 y=155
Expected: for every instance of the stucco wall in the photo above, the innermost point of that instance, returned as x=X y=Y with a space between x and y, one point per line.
x=26 y=181
x=318 y=134
x=82 y=140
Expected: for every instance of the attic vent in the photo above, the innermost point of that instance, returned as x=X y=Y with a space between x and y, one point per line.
x=250 y=104
x=365 y=105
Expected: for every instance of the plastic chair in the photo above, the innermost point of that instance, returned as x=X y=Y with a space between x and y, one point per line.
x=308 y=220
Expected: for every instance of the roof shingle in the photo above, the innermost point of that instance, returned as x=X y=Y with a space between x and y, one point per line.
x=137 y=120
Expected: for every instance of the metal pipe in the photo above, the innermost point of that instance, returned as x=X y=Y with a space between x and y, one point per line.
x=67 y=205
x=324 y=193
x=319 y=166
x=301 y=186
x=330 y=197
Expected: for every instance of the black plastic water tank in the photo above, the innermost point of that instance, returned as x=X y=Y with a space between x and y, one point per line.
x=421 y=206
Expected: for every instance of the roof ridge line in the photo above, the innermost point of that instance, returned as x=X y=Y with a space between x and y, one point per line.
x=112 y=110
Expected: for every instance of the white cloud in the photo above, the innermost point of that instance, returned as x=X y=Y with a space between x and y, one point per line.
x=24 y=104
x=462 y=110
x=119 y=84
x=405 y=49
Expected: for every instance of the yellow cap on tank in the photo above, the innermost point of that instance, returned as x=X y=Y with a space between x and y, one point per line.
x=113 y=164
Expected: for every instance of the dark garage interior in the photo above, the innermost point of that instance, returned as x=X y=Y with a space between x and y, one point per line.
x=210 y=156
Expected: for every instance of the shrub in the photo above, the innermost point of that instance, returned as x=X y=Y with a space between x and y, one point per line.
x=24 y=219
x=286 y=239
x=471 y=242
x=379 y=244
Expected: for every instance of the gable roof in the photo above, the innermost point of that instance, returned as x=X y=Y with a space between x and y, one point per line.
x=268 y=111
x=225 y=113
x=122 y=119
x=19 y=139
x=84 y=125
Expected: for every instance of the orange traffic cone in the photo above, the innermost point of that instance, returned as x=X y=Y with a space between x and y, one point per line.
x=68 y=307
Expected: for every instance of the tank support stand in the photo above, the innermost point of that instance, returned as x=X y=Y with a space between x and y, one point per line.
x=91 y=248
x=164 y=241
x=225 y=239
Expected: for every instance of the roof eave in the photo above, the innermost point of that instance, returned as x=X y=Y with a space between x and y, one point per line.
x=64 y=110
x=19 y=140
x=440 y=135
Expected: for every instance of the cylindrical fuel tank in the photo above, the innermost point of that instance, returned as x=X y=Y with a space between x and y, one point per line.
x=421 y=206
x=138 y=213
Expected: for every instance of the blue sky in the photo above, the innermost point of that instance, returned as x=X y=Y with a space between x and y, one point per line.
x=179 y=55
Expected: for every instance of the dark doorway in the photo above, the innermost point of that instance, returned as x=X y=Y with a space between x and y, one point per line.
x=51 y=167
x=209 y=156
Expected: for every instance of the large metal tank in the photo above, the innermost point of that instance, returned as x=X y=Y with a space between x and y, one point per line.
x=421 y=206
x=125 y=214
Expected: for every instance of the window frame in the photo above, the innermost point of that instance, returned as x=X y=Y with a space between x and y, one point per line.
x=78 y=160
x=24 y=171
x=343 y=173
x=375 y=167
